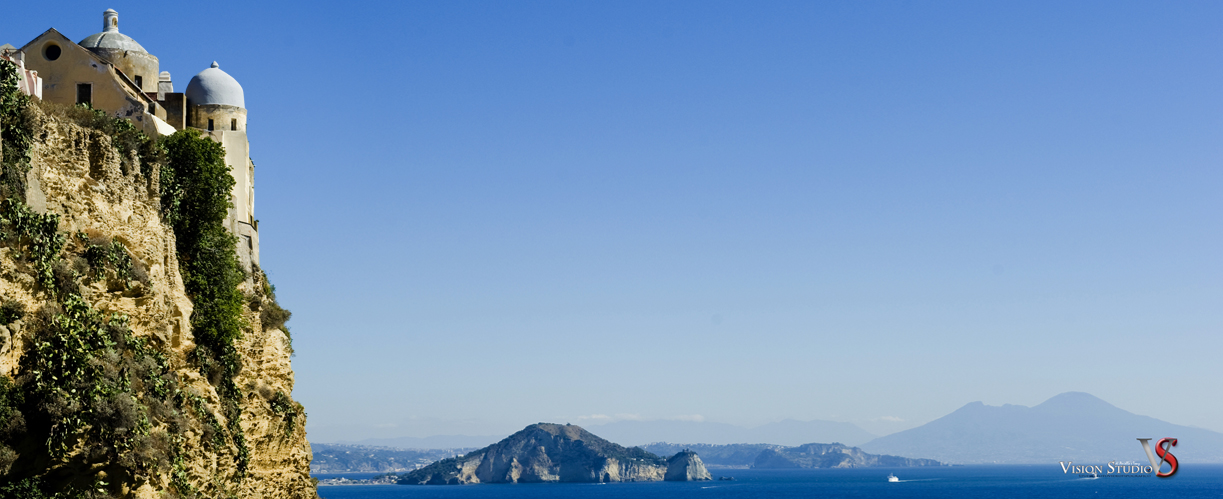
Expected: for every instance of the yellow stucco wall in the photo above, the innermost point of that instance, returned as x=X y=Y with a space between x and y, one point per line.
x=134 y=64
x=77 y=65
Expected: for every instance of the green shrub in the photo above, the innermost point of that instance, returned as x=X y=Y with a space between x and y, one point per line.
x=16 y=133
x=195 y=197
x=273 y=316
x=104 y=254
x=10 y=311
x=35 y=236
x=289 y=410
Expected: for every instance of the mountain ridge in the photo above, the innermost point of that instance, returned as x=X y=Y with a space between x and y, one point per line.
x=1074 y=426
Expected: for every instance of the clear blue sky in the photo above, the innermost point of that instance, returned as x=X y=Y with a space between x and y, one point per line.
x=485 y=215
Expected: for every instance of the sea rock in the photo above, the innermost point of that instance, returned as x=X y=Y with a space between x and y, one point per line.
x=686 y=466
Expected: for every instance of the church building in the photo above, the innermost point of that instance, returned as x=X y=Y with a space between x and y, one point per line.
x=111 y=72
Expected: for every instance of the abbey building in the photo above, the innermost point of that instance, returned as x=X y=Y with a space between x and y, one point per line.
x=109 y=71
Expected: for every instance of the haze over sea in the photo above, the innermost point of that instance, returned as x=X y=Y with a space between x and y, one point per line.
x=1035 y=481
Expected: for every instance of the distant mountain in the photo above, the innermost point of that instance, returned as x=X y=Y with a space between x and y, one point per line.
x=339 y=458
x=548 y=452
x=1073 y=426
x=787 y=433
x=434 y=442
x=777 y=456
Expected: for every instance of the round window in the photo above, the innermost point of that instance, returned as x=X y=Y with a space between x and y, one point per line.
x=51 y=52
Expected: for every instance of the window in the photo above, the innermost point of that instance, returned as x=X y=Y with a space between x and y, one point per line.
x=233 y=124
x=152 y=108
x=84 y=93
x=209 y=124
x=140 y=83
x=51 y=52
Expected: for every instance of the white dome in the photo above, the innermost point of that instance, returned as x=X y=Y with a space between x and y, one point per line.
x=213 y=86
x=110 y=37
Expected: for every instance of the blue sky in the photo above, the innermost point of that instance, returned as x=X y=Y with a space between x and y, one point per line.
x=489 y=214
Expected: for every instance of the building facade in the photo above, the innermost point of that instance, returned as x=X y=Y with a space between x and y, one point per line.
x=111 y=72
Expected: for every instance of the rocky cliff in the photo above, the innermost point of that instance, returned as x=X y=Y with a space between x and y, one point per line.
x=831 y=456
x=102 y=389
x=686 y=466
x=549 y=453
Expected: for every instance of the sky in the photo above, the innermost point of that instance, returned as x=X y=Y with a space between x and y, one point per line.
x=489 y=214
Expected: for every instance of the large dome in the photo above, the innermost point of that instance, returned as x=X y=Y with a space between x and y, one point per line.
x=213 y=86
x=110 y=37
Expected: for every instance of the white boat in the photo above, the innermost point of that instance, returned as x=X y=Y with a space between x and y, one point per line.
x=892 y=478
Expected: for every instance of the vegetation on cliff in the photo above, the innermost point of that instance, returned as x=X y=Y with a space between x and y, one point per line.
x=195 y=189
x=15 y=133
x=91 y=405
x=92 y=409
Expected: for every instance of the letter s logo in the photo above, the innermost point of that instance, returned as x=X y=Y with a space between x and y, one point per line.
x=1165 y=454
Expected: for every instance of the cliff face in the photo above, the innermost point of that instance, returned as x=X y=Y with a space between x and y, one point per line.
x=686 y=466
x=544 y=453
x=831 y=456
x=100 y=195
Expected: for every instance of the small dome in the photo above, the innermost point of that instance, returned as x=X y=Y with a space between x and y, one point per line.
x=213 y=86
x=110 y=37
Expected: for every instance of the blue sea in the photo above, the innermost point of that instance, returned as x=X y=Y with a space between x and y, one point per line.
x=1191 y=481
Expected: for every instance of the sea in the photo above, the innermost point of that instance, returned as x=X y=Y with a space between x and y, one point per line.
x=950 y=482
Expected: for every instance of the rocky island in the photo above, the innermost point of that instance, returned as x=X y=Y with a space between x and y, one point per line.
x=546 y=452
x=686 y=466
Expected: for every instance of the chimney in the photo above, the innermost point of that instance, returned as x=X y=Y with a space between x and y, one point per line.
x=164 y=85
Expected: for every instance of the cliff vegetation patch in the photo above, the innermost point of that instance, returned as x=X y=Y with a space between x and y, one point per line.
x=93 y=410
x=195 y=200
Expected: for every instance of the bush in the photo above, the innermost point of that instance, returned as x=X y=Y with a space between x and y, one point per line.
x=35 y=236
x=10 y=311
x=273 y=316
x=195 y=198
x=16 y=133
